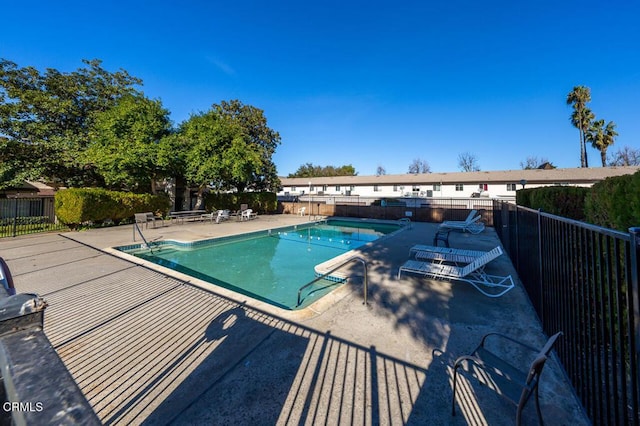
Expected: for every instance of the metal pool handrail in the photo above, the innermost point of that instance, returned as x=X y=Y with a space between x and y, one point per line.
x=135 y=226
x=340 y=265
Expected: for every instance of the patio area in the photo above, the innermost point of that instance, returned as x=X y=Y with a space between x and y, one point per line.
x=147 y=347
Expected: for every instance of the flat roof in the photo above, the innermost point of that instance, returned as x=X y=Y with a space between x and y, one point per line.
x=574 y=175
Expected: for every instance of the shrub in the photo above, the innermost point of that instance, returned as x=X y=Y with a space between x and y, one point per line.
x=566 y=201
x=76 y=206
x=615 y=202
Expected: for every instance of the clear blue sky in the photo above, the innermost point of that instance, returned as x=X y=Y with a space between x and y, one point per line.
x=366 y=83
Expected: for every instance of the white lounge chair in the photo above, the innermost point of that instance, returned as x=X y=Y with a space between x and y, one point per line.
x=471 y=217
x=473 y=273
x=472 y=224
x=301 y=211
x=445 y=254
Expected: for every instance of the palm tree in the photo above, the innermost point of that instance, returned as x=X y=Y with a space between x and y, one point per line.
x=595 y=135
x=609 y=138
x=581 y=117
x=602 y=137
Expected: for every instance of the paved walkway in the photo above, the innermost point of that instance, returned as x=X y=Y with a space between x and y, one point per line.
x=149 y=348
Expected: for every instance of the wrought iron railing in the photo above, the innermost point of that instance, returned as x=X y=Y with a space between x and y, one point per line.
x=20 y=216
x=583 y=279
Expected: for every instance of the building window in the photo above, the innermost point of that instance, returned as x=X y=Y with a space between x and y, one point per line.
x=459 y=187
x=293 y=189
x=324 y=188
x=312 y=188
x=352 y=187
x=483 y=187
x=395 y=188
x=511 y=187
x=337 y=188
x=376 y=188
x=437 y=187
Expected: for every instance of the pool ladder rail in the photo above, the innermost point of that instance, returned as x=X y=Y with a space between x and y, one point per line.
x=146 y=244
x=340 y=265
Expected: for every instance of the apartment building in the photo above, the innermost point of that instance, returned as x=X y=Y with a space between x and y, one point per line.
x=494 y=184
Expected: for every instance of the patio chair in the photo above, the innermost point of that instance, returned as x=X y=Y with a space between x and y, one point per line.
x=473 y=273
x=248 y=214
x=145 y=218
x=222 y=215
x=301 y=211
x=445 y=254
x=515 y=383
x=473 y=225
x=471 y=217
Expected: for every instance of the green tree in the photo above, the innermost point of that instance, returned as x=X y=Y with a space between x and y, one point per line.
x=602 y=137
x=260 y=141
x=581 y=117
x=51 y=115
x=309 y=170
x=228 y=148
x=126 y=144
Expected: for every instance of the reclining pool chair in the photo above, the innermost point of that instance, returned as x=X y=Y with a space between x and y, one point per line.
x=473 y=215
x=472 y=224
x=514 y=383
x=444 y=254
x=473 y=273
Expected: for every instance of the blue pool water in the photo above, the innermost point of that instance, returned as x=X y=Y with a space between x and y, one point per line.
x=271 y=265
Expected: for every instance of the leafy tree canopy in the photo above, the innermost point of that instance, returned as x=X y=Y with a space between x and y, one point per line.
x=261 y=141
x=309 y=170
x=51 y=115
x=127 y=143
x=230 y=148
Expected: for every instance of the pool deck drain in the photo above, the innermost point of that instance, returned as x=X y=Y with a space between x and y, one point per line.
x=148 y=348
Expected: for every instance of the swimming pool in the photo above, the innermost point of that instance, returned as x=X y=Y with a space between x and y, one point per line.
x=271 y=265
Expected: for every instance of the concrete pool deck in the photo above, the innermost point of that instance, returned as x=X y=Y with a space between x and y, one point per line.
x=146 y=347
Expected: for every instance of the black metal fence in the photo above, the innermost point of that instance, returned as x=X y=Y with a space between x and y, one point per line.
x=583 y=279
x=19 y=216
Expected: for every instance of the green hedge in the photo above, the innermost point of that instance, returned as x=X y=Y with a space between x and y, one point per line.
x=260 y=202
x=615 y=202
x=566 y=201
x=76 y=206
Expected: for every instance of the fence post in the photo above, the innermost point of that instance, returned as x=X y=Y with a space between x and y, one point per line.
x=540 y=283
x=15 y=216
x=634 y=233
x=517 y=245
